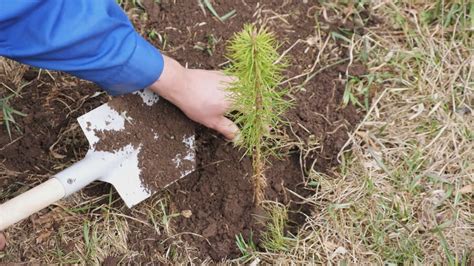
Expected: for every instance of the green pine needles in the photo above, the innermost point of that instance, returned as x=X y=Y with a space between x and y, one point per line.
x=254 y=61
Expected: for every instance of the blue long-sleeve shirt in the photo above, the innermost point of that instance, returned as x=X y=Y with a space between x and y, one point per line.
x=90 y=39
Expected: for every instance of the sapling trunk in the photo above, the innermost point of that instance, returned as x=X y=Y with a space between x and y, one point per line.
x=253 y=54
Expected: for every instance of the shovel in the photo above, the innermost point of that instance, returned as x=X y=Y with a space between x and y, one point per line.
x=119 y=165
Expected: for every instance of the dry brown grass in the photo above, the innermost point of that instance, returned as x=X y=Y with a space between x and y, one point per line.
x=404 y=191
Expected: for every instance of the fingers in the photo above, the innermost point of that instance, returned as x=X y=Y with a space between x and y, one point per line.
x=227 y=128
x=3 y=241
x=225 y=80
x=229 y=96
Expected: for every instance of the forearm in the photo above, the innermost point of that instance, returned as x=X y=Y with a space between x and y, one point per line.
x=93 y=40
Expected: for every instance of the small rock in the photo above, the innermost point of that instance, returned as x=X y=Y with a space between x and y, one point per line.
x=187 y=213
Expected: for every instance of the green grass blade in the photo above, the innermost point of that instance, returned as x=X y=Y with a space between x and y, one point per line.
x=211 y=8
x=228 y=15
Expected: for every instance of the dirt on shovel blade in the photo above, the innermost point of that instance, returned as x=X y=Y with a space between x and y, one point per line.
x=164 y=135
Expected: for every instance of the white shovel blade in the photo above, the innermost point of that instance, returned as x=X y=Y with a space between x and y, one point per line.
x=125 y=176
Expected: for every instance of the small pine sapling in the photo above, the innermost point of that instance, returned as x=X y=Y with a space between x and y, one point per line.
x=260 y=103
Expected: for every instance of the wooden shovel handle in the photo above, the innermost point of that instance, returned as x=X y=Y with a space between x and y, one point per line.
x=30 y=202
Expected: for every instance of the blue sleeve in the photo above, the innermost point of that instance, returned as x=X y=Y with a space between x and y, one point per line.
x=91 y=39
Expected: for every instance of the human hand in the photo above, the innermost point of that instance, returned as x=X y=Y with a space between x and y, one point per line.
x=200 y=94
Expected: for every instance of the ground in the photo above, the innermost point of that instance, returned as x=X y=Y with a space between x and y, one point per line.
x=377 y=158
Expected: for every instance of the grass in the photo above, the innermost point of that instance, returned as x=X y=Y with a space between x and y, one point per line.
x=274 y=238
x=8 y=114
x=396 y=198
x=209 y=46
x=211 y=9
x=247 y=248
x=400 y=195
x=403 y=191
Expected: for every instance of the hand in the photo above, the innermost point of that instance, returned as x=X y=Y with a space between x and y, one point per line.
x=200 y=94
x=3 y=241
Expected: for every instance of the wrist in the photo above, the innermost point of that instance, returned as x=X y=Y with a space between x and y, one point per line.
x=168 y=83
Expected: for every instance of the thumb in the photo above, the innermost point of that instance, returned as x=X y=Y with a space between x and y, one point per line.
x=227 y=128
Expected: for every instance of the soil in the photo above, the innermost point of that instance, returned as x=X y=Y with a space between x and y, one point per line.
x=45 y=137
x=218 y=194
x=160 y=131
x=323 y=119
x=220 y=197
x=318 y=116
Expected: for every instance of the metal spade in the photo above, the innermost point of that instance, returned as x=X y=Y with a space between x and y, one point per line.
x=119 y=167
